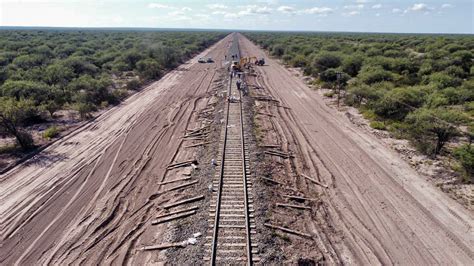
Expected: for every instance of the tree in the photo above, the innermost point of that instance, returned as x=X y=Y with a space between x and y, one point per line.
x=51 y=106
x=326 y=60
x=23 y=89
x=278 y=50
x=430 y=129
x=13 y=114
x=58 y=74
x=465 y=155
x=397 y=103
x=149 y=69
x=442 y=80
x=352 y=65
x=374 y=74
x=360 y=93
x=85 y=109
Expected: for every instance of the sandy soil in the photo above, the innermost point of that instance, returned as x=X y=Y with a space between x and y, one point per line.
x=437 y=170
x=88 y=197
x=385 y=212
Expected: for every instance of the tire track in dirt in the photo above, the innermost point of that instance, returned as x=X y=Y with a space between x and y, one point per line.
x=101 y=215
x=400 y=224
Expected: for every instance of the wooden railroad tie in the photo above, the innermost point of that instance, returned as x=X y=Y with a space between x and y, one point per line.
x=163 y=246
x=265 y=99
x=284 y=229
x=181 y=164
x=181 y=186
x=193 y=208
x=173 y=181
x=262 y=113
x=314 y=181
x=299 y=198
x=271 y=146
x=184 y=201
x=293 y=206
x=169 y=219
x=284 y=155
x=198 y=144
x=273 y=181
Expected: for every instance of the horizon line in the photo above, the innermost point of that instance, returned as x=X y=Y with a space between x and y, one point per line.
x=228 y=30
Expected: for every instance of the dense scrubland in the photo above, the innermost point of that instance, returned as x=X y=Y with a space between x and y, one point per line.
x=418 y=87
x=44 y=71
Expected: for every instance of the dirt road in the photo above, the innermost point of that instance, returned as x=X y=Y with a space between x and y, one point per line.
x=385 y=212
x=87 y=198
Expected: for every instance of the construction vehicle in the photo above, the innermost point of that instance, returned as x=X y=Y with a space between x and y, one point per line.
x=209 y=60
x=201 y=60
x=246 y=62
x=236 y=66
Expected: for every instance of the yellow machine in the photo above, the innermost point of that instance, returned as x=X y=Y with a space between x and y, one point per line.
x=245 y=62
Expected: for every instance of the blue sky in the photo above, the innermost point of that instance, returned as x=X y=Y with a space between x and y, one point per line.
x=443 y=16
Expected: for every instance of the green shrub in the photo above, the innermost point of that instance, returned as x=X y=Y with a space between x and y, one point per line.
x=465 y=155
x=329 y=94
x=133 y=84
x=377 y=125
x=51 y=132
x=431 y=129
x=368 y=114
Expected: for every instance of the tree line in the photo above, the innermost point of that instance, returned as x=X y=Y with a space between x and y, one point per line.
x=43 y=71
x=418 y=87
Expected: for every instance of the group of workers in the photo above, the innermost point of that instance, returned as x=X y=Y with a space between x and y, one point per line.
x=234 y=56
x=242 y=87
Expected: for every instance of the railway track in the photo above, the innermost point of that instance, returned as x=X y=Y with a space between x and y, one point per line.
x=231 y=210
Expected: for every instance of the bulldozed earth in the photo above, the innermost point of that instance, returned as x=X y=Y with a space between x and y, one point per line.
x=135 y=185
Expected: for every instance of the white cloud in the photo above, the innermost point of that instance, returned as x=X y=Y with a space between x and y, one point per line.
x=186 y=8
x=377 y=6
x=176 y=13
x=354 y=7
x=286 y=9
x=362 y=1
x=269 y=2
x=231 y=15
x=447 y=6
x=377 y=15
x=352 y=13
x=219 y=12
x=203 y=16
x=396 y=10
x=157 y=5
x=419 y=7
x=254 y=10
x=217 y=6
x=317 y=10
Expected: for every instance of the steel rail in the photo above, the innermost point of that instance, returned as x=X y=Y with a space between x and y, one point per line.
x=219 y=189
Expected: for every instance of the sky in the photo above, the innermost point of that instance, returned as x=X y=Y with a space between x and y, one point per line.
x=418 y=16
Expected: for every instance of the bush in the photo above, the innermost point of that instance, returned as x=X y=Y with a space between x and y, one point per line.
x=85 y=109
x=374 y=74
x=149 y=69
x=465 y=155
x=397 y=103
x=330 y=75
x=352 y=65
x=133 y=84
x=378 y=125
x=326 y=60
x=51 y=132
x=430 y=129
x=25 y=140
x=278 y=50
